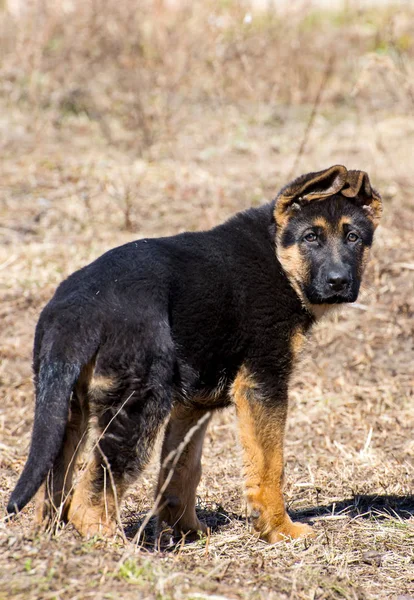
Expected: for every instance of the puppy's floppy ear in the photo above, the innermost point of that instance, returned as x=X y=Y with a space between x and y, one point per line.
x=306 y=188
x=358 y=188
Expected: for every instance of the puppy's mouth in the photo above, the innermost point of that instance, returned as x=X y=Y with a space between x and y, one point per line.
x=315 y=296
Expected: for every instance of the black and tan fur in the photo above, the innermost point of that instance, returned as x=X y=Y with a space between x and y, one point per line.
x=174 y=328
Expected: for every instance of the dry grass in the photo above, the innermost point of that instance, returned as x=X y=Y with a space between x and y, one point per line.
x=115 y=126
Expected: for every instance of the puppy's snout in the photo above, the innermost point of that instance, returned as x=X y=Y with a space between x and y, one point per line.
x=338 y=280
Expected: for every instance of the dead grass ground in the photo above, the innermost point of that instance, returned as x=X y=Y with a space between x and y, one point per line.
x=68 y=193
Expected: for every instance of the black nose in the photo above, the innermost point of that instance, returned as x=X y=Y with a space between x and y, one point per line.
x=337 y=280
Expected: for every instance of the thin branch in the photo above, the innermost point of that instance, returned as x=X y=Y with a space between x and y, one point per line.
x=316 y=103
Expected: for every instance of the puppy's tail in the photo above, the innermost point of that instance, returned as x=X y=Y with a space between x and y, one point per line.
x=54 y=386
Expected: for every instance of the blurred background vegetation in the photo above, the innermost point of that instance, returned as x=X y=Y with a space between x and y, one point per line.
x=143 y=69
x=110 y=107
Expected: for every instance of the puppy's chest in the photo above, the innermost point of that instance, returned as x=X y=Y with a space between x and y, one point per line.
x=206 y=380
x=206 y=384
x=207 y=397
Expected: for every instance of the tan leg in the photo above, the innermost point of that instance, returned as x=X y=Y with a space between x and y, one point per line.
x=126 y=437
x=177 y=507
x=261 y=432
x=92 y=512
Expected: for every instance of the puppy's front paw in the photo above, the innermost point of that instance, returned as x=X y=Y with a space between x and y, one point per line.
x=289 y=531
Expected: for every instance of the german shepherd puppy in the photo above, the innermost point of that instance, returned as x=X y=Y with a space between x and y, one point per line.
x=179 y=327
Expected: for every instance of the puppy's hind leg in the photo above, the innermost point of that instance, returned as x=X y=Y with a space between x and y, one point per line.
x=177 y=485
x=129 y=414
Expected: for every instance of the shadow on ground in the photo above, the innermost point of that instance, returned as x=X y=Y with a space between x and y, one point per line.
x=217 y=518
x=363 y=506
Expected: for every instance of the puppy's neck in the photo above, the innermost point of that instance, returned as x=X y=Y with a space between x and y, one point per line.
x=318 y=311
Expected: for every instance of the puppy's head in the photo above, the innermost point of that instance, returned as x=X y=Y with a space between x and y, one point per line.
x=325 y=224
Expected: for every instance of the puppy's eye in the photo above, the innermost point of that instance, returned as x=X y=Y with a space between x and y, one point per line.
x=310 y=237
x=352 y=237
